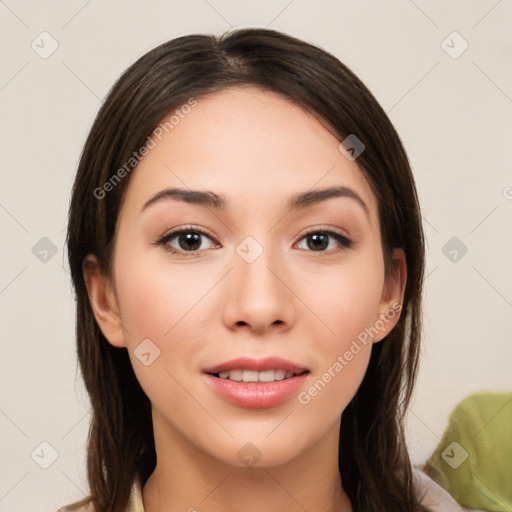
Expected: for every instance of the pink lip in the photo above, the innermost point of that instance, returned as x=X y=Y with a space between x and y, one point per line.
x=259 y=365
x=256 y=395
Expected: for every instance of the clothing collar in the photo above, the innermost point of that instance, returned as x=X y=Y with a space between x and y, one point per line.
x=135 y=504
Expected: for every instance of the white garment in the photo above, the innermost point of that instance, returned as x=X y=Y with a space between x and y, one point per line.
x=434 y=497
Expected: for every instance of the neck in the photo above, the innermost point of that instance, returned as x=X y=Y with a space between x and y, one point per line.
x=188 y=479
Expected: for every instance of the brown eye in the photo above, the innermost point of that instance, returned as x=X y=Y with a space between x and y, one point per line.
x=189 y=241
x=185 y=240
x=318 y=241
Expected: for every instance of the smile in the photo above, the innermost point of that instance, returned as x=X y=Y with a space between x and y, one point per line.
x=254 y=376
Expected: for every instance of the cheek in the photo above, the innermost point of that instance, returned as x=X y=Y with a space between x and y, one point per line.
x=170 y=305
x=157 y=300
x=345 y=300
x=331 y=389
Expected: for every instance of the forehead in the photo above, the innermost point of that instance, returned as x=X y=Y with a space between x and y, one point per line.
x=251 y=146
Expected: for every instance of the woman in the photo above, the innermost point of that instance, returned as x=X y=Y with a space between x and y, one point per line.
x=246 y=247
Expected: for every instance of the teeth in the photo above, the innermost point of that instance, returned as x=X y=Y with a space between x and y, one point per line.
x=253 y=376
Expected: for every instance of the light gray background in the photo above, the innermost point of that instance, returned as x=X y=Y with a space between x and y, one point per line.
x=453 y=114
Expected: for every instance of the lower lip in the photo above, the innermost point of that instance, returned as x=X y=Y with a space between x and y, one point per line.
x=256 y=395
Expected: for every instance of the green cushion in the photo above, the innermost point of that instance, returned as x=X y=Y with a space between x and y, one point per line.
x=473 y=461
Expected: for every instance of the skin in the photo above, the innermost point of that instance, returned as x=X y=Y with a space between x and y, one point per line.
x=304 y=304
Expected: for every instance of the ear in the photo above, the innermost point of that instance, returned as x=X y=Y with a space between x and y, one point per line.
x=103 y=302
x=392 y=298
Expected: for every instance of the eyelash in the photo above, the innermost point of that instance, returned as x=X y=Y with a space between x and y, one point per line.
x=345 y=243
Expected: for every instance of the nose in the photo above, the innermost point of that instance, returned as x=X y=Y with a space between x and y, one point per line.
x=258 y=296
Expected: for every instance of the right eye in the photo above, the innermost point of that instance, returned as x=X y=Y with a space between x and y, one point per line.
x=188 y=240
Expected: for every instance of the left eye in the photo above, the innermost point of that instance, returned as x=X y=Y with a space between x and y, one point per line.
x=318 y=241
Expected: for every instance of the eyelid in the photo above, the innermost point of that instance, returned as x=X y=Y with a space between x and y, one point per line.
x=326 y=229
x=170 y=234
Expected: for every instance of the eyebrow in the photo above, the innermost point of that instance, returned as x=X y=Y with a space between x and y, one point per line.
x=210 y=199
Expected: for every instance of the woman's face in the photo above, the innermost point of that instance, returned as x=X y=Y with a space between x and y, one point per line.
x=265 y=279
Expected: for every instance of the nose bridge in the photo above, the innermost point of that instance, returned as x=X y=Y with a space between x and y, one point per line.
x=257 y=294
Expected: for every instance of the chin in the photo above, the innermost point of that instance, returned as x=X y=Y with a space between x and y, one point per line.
x=258 y=452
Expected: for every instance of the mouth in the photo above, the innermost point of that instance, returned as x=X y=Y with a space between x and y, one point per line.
x=256 y=390
x=243 y=375
x=248 y=369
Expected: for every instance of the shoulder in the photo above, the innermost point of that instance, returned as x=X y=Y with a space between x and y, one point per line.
x=432 y=496
x=81 y=506
x=134 y=504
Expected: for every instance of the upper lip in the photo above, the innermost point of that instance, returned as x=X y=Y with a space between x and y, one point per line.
x=259 y=365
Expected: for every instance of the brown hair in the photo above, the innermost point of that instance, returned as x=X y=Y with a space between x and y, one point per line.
x=373 y=461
